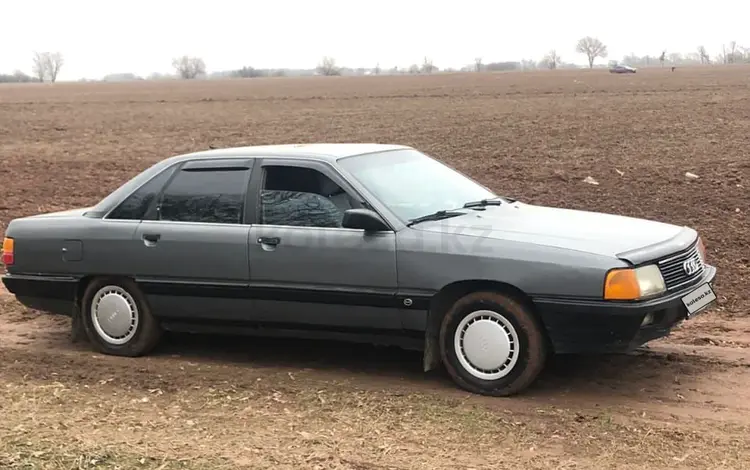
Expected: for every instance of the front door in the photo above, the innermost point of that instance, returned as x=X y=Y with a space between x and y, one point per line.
x=305 y=269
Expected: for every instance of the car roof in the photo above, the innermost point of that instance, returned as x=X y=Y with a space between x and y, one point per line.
x=329 y=152
x=320 y=151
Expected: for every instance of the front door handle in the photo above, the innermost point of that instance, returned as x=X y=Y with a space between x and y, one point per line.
x=150 y=239
x=273 y=241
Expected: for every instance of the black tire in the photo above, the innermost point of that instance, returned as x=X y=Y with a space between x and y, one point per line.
x=505 y=316
x=146 y=332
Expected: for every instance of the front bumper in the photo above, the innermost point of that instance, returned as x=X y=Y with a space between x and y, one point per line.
x=598 y=326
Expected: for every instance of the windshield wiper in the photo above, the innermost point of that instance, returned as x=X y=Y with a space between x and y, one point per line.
x=439 y=215
x=496 y=201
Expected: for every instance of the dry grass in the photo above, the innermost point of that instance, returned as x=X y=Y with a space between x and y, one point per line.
x=43 y=455
x=282 y=404
x=121 y=411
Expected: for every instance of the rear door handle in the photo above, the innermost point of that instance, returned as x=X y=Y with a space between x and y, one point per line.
x=269 y=240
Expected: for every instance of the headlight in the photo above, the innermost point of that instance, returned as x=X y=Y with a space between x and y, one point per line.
x=633 y=284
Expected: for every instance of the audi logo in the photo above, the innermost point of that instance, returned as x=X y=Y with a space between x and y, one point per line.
x=691 y=267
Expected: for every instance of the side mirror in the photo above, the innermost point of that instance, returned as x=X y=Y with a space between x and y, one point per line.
x=363 y=219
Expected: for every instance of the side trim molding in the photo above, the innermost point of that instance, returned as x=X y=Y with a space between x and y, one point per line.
x=304 y=294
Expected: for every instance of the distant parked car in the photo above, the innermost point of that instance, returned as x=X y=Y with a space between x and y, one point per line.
x=366 y=242
x=621 y=69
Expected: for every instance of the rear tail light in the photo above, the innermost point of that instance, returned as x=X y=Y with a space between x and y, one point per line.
x=8 y=257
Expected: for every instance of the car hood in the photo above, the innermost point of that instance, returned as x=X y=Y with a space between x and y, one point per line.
x=597 y=233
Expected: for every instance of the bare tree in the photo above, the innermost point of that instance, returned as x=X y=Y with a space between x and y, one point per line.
x=731 y=57
x=478 y=64
x=528 y=64
x=427 y=66
x=723 y=57
x=39 y=69
x=736 y=53
x=705 y=59
x=247 y=72
x=327 y=67
x=189 y=67
x=593 y=48
x=551 y=60
x=662 y=57
x=47 y=65
x=54 y=64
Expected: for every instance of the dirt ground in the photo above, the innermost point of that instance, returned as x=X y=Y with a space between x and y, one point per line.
x=682 y=402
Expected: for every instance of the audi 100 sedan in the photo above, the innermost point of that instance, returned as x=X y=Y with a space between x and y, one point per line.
x=363 y=242
x=622 y=69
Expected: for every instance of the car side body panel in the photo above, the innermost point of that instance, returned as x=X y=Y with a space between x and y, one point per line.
x=197 y=276
x=55 y=252
x=103 y=247
x=194 y=270
x=318 y=276
x=429 y=261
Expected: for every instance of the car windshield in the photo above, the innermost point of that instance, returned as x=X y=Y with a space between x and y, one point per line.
x=412 y=184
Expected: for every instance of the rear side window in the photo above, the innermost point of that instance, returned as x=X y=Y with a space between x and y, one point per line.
x=206 y=195
x=134 y=207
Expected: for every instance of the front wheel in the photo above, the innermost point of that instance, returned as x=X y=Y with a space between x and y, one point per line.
x=491 y=345
x=117 y=319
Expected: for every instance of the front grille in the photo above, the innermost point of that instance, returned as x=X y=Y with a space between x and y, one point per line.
x=681 y=268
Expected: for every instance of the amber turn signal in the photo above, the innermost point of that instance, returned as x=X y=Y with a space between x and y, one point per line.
x=621 y=284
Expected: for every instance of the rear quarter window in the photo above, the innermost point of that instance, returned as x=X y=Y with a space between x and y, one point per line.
x=134 y=207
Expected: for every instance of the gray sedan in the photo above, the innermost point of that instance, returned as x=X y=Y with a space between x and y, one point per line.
x=622 y=69
x=361 y=242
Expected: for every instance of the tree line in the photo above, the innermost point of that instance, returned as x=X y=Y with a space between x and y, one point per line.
x=46 y=65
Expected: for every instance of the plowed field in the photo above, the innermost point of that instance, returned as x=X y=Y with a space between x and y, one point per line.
x=681 y=402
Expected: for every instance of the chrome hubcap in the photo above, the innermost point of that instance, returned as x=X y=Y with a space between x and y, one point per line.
x=114 y=315
x=486 y=344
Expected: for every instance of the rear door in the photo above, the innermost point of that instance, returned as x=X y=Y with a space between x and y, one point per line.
x=192 y=253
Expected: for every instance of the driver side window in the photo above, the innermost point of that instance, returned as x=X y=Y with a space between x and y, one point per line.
x=301 y=197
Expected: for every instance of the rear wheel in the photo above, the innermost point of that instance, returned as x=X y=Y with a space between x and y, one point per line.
x=117 y=319
x=491 y=345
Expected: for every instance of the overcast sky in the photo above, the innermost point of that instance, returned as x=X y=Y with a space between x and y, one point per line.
x=141 y=36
